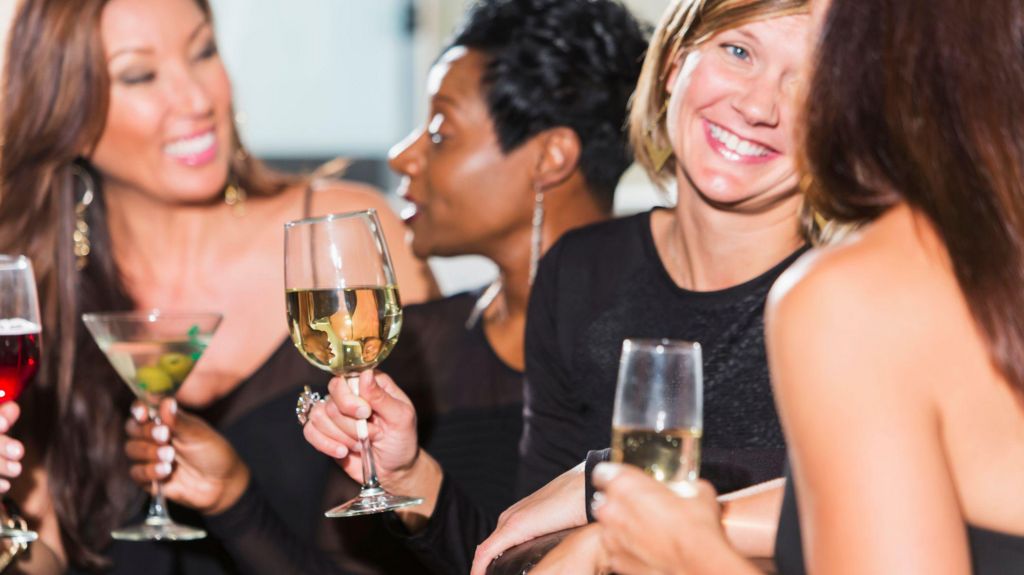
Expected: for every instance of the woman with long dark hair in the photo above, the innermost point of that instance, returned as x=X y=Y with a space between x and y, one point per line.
x=897 y=355
x=123 y=178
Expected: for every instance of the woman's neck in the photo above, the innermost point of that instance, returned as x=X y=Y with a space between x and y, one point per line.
x=707 y=248
x=156 y=243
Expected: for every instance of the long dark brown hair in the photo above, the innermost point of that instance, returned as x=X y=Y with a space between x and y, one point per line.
x=921 y=101
x=55 y=101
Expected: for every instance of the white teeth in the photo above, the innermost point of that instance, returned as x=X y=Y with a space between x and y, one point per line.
x=191 y=146
x=735 y=144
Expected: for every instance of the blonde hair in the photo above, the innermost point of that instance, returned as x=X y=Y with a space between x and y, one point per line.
x=685 y=25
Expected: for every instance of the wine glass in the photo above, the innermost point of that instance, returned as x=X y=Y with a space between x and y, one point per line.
x=154 y=352
x=344 y=316
x=19 y=348
x=658 y=417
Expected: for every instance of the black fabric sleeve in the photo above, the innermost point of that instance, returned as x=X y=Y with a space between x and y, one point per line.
x=593 y=458
x=448 y=542
x=551 y=443
x=260 y=543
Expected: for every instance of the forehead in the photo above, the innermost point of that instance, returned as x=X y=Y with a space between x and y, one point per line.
x=128 y=24
x=784 y=36
x=457 y=74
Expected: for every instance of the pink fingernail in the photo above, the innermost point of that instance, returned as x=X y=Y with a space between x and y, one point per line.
x=163 y=469
x=4 y=485
x=173 y=407
x=165 y=454
x=4 y=424
x=362 y=412
x=605 y=472
x=341 y=453
x=161 y=433
x=13 y=467
x=13 y=450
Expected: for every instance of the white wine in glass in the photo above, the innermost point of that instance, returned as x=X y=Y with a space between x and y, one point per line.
x=657 y=422
x=344 y=315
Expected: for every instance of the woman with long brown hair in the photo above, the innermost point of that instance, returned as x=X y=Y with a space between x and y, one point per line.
x=123 y=178
x=897 y=355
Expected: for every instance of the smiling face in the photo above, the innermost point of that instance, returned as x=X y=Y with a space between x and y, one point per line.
x=469 y=195
x=732 y=105
x=168 y=131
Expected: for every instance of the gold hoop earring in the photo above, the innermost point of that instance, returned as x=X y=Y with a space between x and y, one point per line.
x=82 y=247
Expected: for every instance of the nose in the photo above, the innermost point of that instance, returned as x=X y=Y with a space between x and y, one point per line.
x=758 y=103
x=406 y=157
x=189 y=94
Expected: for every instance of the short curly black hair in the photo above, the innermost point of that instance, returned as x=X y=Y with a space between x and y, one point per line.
x=571 y=63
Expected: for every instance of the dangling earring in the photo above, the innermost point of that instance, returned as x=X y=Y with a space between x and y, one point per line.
x=536 y=233
x=657 y=152
x=234 y=195
x=81 y=233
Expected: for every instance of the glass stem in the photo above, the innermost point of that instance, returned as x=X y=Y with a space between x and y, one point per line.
x=157 y=504
x=371 y=485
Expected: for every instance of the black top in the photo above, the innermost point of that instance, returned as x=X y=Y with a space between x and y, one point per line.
x=278 y=525
x=469 y=405
x=992 y=553
x=604 y=283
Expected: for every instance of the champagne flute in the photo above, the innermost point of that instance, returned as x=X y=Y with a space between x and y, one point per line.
x=658 y=417
x=154 y=352
x=344 y=317
x=19 y=350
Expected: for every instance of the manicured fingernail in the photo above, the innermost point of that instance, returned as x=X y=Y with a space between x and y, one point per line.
x=138 y=412
x=4 y=424
x=4 y=485
x=165 y=453
x=362 y=412
x=13 y=467
x=597 y=502
x=341 y=453
x=173 y=407
x=163 y=469
x=161 y=433
x=13 y=449
x=605 y=472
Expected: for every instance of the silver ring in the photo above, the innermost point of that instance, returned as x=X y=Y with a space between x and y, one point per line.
x=307 y=399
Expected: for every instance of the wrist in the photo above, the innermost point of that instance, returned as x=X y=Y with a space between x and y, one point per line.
x=422 y=479
x=234 y=486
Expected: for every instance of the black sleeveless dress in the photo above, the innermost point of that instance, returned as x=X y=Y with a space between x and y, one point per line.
x=992 y=553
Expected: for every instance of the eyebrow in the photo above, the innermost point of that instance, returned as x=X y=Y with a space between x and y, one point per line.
x=147 y=50
x=748 y=35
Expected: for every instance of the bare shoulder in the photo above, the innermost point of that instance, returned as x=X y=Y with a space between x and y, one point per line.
x=334 y=196
x=876 y=292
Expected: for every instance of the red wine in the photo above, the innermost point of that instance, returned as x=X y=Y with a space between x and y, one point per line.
x=19 y=357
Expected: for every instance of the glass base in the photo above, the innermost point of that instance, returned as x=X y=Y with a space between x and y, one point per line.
x=372 y=501
x=18 y=535
x=155 y=529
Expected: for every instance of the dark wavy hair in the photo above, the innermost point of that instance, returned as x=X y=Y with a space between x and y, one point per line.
x=54 y=108
x=571 y=63
x=920 y=101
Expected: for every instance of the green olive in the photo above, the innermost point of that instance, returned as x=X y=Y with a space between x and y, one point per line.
x=153 y=379
x=177 y=365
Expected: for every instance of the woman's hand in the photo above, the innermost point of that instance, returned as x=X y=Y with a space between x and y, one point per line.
x=556 y=506
x=646 y=528
x=581 y=553
x=402 y=467
x=391 y=425
x=198 y=467
x=11 y=450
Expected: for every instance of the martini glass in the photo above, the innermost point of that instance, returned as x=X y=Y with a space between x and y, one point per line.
x=153 y=352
